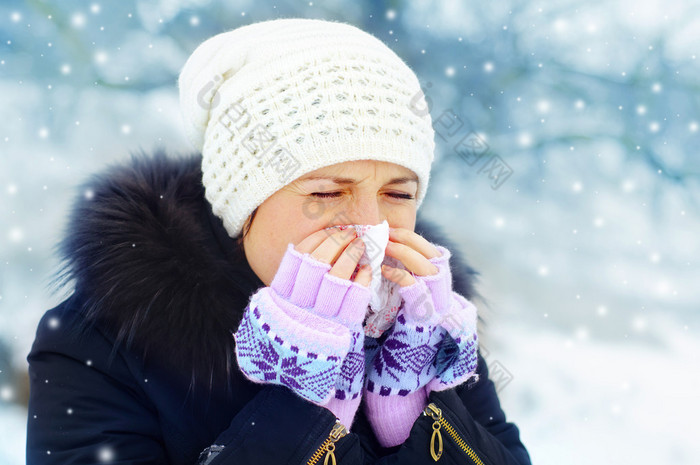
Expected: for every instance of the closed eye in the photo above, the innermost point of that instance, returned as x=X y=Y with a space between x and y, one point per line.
x=326 y=194
x=337 y=194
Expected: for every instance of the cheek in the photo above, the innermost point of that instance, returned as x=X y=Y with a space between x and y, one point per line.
x=402 y=217
x=291 y=221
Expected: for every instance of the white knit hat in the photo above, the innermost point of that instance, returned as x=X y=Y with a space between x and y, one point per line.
x=271 y=101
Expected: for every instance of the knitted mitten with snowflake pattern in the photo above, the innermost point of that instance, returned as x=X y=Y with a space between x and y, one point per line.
x=432 y=346
x=304 y=331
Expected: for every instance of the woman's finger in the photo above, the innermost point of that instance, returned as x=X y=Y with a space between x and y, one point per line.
x=414 y=241
x=347 y=262
x=314 y=240
x=333 y=245
x=412 y=260
x=364 y=275
x=401 y=277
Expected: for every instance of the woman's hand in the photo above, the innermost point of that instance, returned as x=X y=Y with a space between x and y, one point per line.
x=405 y=367
x=342 y=249
x=320 y=277
x=305 y=331
x=414 y=252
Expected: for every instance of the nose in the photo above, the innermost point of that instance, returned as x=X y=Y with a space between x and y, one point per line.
x=365 y=209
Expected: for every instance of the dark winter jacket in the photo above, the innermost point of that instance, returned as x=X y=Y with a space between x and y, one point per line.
x=137 y=365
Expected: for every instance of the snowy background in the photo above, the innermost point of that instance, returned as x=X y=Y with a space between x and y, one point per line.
x=587 y=241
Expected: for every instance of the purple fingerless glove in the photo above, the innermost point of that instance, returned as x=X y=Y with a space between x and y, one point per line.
x=457 y=358
x=304 y=331
x=407 y=366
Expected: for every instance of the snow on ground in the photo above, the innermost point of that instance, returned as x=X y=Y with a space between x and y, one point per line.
x=583 y=401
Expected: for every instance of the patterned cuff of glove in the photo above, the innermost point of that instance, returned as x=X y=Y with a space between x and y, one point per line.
x=456 y=361
x=405 y=360
x=444 y=382
x=272 y=347
x=348 y=385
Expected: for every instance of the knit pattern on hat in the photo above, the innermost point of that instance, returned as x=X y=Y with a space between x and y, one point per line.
x=270 y=101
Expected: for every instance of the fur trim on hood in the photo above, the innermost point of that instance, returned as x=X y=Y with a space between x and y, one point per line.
x=151 y=263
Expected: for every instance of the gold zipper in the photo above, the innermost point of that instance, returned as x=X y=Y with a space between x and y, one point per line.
x=328 y=446
x=435 y=413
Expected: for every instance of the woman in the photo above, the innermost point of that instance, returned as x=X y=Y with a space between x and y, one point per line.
x=220 y=313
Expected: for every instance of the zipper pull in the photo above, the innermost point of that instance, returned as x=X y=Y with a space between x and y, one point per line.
x=337 y=432
x=435 y=413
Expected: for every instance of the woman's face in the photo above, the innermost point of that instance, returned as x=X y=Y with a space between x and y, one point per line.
x=352 y=192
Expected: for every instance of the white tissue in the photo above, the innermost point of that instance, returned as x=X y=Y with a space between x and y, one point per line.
x=385 y=298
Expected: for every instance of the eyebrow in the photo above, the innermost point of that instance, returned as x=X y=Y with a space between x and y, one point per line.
x=339 y=180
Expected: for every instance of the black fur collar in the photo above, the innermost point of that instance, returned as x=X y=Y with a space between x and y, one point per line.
x=151 y=263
